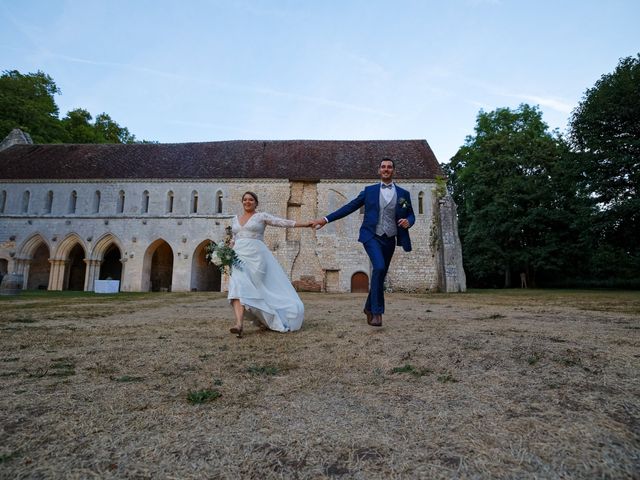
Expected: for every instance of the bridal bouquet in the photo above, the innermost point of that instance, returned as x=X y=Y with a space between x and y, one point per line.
x=222 y=255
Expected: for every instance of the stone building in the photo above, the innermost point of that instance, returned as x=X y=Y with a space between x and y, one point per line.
x=144 y=213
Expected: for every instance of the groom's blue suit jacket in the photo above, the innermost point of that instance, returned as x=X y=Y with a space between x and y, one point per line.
x=370 y=198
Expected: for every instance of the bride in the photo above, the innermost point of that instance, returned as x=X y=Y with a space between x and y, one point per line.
x=258 y=285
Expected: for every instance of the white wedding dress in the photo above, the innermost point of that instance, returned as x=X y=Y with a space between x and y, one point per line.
x=260 y=282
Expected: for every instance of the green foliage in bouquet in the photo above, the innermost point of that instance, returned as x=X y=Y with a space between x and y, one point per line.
x=222 y=255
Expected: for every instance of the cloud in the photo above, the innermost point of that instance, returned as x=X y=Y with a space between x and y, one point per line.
x=232 y=86
x=552 y=103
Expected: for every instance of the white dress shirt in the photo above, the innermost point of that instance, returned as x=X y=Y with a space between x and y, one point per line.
x=387 y=193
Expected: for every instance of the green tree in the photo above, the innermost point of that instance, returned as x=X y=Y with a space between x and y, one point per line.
x=605 y=131
x=514 y=183
x=77 y=124
x=27 y=102
x=109 y=131
x=80 y=129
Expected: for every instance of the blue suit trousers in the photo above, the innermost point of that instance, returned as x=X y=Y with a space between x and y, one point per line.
x=380 y=250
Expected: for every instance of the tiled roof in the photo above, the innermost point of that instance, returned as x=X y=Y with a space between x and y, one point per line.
x=287 y=159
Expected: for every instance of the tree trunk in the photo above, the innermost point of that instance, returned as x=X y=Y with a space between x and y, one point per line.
x=507 y=276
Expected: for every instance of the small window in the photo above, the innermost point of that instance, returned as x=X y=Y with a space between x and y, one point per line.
x=121 y=202
x=96 y=202
x=48 y=202
x=73 y=202
x=145 y=202
x=3 y=200
x=170 y=202
x=26 y=198
x=219 y=202
x=421 y=203
x=194 y=202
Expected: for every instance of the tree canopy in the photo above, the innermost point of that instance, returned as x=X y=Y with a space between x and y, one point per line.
x=605 y=132
x=565 y=212
x=27 y=102
x=511 y=181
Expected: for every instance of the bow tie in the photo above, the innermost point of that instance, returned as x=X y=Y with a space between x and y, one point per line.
x=382 y=185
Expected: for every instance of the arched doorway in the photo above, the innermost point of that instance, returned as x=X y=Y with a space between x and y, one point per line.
x=204 y=276
x=159 y=263
x=111 y=267
x=39 y=268
x=359 y=283
x=76 y=269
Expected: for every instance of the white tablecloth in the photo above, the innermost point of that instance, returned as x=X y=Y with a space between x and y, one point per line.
x=107 y=286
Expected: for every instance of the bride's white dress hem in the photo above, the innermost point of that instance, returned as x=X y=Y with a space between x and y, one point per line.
x=259 y=282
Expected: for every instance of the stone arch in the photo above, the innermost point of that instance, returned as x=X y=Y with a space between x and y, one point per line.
x=106 y=258
x=39 y=268
x=29 y=246
x=68 y=265
x=33 y=262
x=76 y=269
x=204 y=276
x=359 y=282
x=103 y=244
x=65 y=246
x=157 y=267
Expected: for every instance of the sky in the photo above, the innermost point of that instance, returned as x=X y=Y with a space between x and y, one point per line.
x=209 y=70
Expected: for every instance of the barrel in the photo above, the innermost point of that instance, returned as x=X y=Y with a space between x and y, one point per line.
x=11 y=284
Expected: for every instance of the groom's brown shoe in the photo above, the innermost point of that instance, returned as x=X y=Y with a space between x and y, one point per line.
x=369 y=315
x=376 y=320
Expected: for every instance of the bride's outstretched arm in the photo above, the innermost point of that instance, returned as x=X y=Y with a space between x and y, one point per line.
x=283 y=222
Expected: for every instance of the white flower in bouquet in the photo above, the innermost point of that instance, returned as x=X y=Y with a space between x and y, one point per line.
x=215 y=259
x=222 y=256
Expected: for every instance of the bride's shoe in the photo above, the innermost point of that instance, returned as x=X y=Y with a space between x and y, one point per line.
x=237 y=331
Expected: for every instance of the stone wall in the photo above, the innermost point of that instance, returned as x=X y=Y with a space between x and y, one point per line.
x=144 y=218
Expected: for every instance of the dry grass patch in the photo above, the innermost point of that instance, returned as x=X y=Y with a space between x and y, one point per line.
x=488 y=384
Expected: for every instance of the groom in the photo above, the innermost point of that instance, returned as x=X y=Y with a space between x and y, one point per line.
x=387 y=218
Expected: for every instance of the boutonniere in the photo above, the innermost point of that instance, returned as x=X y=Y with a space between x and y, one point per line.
x=403 y=202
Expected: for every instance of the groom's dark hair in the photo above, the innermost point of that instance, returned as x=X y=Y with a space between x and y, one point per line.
x=388 y=160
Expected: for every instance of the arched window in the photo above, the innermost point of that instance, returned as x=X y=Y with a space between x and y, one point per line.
x=48 y=202
x=3 y=200
x=73 y=201
x=170 y=202
x=96 y=202
x=121 y=202
x=194 y=202
x=219 y=202
x=26 y=197
x=421 y=203
x=145 y=202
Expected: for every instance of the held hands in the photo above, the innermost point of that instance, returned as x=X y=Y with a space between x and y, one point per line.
x=318 y=223
x=311 y=224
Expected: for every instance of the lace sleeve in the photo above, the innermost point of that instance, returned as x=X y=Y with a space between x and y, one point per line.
x=277 y=221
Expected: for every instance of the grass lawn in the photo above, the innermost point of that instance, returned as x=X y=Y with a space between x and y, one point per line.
x=486 y=384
